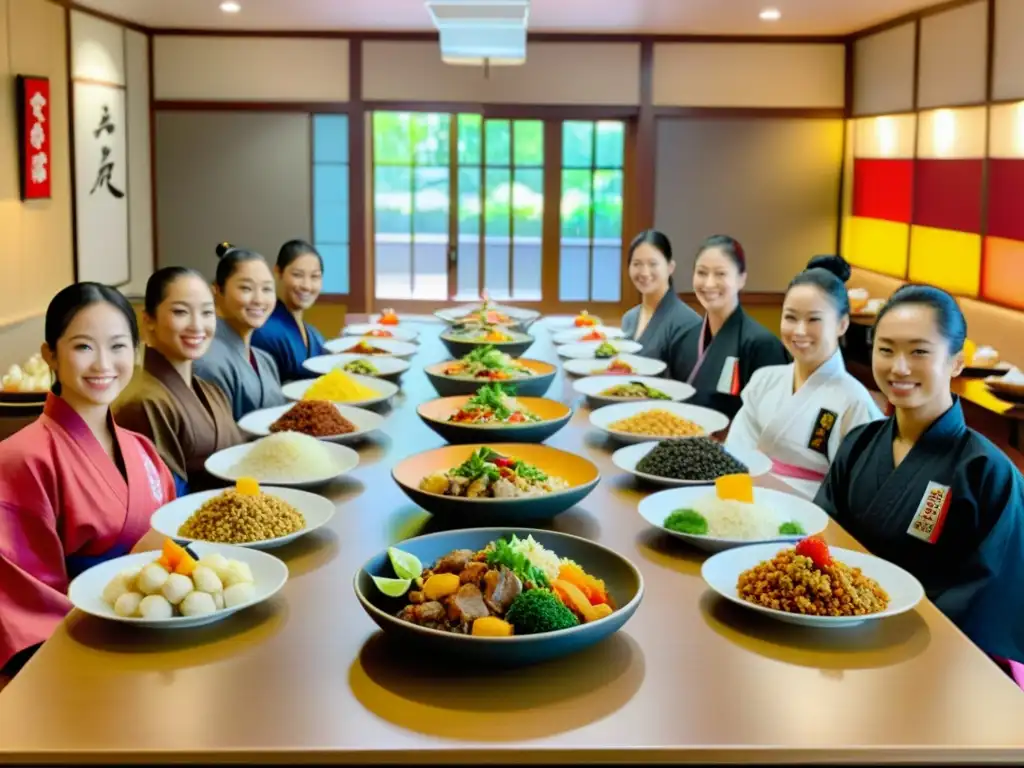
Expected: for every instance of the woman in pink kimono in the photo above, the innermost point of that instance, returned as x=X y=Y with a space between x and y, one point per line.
x=75 y=489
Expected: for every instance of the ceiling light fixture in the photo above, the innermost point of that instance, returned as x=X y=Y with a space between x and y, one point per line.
x=771 y=14
x=230 y=7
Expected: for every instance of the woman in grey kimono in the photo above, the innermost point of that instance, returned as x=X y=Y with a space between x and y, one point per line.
x=245 y=293
x=661 y=316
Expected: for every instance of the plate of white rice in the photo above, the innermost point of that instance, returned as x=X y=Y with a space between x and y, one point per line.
x=284 y=458
x=774 y=516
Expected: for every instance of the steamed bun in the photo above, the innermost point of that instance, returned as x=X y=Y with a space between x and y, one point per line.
x=155 y=607
x=127 y=605
x=197 y=604
x=238 y=594
x=176 y=588
x=152 y=579
x=237 y=573
x=206 y=579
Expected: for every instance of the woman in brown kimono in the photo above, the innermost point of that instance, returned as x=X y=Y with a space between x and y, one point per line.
x=188 y=418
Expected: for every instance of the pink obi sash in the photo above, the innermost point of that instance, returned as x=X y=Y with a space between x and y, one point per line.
x=795 y=472
x=1014 y=668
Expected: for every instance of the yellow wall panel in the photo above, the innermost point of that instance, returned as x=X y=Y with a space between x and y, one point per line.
x=1006 y=123
x=948 y=259
x=887 y=137
x=880 y=246
x=947 y=134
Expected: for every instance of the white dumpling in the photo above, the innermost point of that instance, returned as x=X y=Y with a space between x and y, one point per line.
x=197 y=604
x=218 y=600
x=238 y=594
x=176 y=588
x=131 y=576
x=237 y=573
x=206 y=579
x=155 y=607
x=216 y=562
x=127 y=605
x=152 y=579
x=116 y=587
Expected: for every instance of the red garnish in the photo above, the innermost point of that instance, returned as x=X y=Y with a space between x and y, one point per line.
x=517 y=417
x=816 y=549
x=388 y=317
x=594 y=336
x=502 y=462
x=380 y=333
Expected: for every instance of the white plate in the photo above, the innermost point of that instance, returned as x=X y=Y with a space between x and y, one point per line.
x=627 y=458
x=642 y=366
x=711 y=421
x=296 y=390
x=518 y=315
x=786 y=506
x=393 y=347
x=316 y=509
x=593 y=386
x=399 y=334
x=221 y=463
x=86 y=591
x=584 y=350
x=575 y=334
x=721 y=573
x=388 y=366
x=258 y=422
x=564 y=322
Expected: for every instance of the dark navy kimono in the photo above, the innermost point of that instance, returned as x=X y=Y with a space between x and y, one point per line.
x=952 y=514
x=669 y=321
x=281 y=338
x=719 y=367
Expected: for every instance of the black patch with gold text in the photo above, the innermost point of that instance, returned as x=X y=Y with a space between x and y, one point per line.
x=823 y=426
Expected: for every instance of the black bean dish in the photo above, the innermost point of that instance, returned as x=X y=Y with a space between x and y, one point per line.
x=695 y=459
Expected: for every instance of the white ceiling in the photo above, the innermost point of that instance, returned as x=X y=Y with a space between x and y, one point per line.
x=711 y=17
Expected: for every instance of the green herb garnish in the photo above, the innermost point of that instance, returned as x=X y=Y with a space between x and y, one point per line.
x=517 y=562
x=687 y=521
x=792 y=529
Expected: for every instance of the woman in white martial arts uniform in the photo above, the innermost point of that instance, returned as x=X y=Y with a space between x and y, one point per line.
x=798 y=414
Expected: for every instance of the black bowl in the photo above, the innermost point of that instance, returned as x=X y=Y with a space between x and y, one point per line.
x=532 y=386
x=516 y=348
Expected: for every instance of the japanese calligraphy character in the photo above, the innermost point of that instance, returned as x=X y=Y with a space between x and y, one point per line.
x=37 y=136
x=106 y=124
x=103 y=178
x=40 y=173
x=37 y=103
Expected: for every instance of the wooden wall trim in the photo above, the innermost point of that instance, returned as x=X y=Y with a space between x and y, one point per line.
x=71 y=5
x=152 y=150
x=214 y=105
x=913 y=16
x=646 y=138
x=814 y=113
x=358 y=237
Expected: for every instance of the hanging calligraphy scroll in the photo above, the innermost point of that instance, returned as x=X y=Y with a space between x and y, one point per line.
x=34 y=157
x=101 y=183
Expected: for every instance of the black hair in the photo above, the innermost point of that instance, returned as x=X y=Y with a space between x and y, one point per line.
x=730 y=246
x=658 y=240
x=229 y=259
x=291 y=250
x=948 y=316
x=156 y=286
x=829 y=275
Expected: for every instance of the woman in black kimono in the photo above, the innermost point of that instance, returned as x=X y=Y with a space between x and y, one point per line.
x=924 y=491
x=719 y=356
x=661 y=316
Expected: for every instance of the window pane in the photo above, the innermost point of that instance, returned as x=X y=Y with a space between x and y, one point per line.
x=430 y=212
x=526 y=259
x=577 y=144
x=470 y=205
x=468 y=272
x=573 y=266
x=496 y=268
x=497 y=135
x=470 y=128
x=430 y=138
x=497 y=202
x=607 y=205
x=576 y=204
x=430 y=267
x=330 y=138
x=391 y=138
x=393 y=258
x=392 y=199
x=330 y=203
x=611 y=138
x=528 y=203
x=529 y=142
x=335 y=267
x=606 y=273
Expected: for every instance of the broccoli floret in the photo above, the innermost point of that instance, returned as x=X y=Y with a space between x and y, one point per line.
x=539 y=610
x=791 y=529
x=687 y=521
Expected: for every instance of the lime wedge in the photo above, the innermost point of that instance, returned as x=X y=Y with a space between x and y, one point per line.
x=407 y=566
x=392 y=587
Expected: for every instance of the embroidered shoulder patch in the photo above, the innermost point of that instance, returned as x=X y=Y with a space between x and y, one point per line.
x=931 y=513
x=156 y=488
x=823 y=426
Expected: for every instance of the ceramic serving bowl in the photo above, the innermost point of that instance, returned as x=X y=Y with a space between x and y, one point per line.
x=554 y=416
x=526 y=386
x=460 y=344
x=580 y=473
x=388 y=368
x=351 y=345
x=514 y=317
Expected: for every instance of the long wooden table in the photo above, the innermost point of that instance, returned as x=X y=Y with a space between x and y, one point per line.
x=307 y=676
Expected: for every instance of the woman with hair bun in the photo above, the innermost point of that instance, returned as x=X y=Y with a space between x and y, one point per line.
x=244 y=292
x=798 y=414
x=924 y=491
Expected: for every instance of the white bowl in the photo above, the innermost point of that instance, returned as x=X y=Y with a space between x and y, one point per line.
x=575 y=334
x=786 y=506
x=593 y=386
x=709 y=420
x=222 y=462
x=394 y=348
x=86 y=591
x=518 y=315
x=627 y=458
x=642 y=366
x=389 y=367
x=585 y=350
x=296 y=390
x=721 y=573
x=258 y=423
x=316 y=509
x=397 y=333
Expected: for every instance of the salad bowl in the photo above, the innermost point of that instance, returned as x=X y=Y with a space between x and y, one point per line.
x=493 y=413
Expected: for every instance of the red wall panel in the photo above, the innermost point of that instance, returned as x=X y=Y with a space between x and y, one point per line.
x=948 y=194
x=1006 y=198
x=882 y=189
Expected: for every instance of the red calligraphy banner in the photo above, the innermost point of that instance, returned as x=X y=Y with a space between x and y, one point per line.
x=34 y=136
